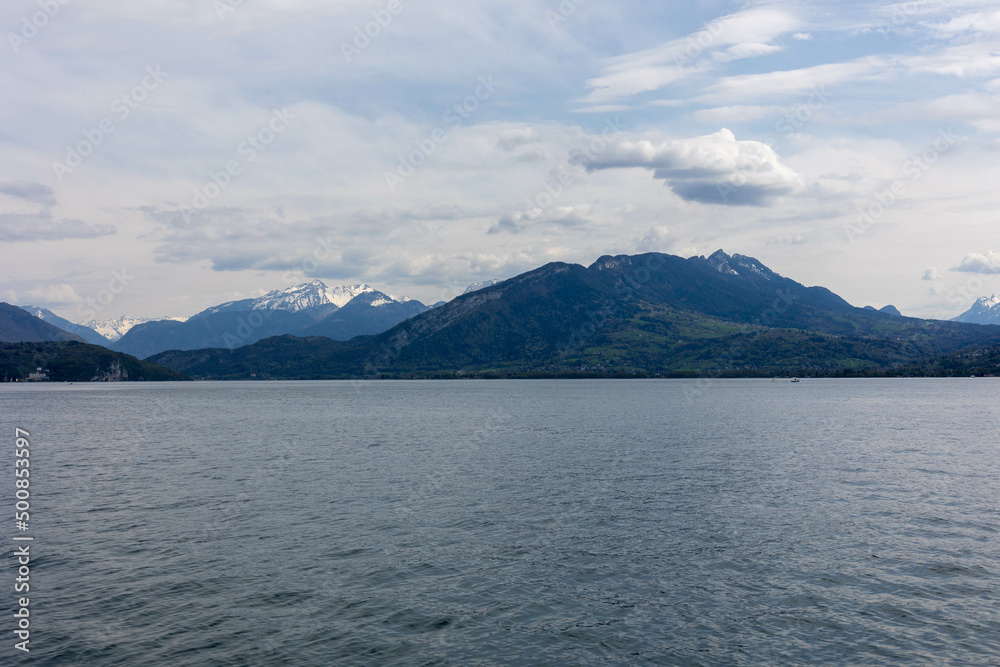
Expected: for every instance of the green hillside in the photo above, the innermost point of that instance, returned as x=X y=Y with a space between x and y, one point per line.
x=77 y=362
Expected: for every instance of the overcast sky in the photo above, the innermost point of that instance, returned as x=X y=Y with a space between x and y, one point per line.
x=422 y=146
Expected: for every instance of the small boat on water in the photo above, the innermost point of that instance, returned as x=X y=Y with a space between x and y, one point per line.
x=796 y=380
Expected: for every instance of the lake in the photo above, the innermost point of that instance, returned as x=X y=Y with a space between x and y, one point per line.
x=589 y=522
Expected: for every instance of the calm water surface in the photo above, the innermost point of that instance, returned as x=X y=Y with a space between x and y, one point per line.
x=734 y=522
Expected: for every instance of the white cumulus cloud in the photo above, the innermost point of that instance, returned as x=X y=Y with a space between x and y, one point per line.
x=711 y=169
x=974 y=262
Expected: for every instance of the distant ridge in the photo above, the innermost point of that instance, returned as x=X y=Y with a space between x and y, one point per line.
x=18 y=325
x=307 y=309
x=86 y=333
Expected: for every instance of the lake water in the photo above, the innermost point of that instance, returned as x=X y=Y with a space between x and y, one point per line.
x=739 y=522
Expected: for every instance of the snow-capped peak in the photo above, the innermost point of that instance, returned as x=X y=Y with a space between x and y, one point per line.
x=341 y=294
x=720 y=261
x=986 y=310
x=296 y=297
x=116 y=328
x=309 y=295
x=988 y=301
x=301 y=297
x=315 y=293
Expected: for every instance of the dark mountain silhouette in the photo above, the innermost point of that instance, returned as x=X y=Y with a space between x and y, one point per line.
x=74 y=361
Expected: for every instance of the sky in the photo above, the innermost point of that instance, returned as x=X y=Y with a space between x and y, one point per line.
x=163 y=156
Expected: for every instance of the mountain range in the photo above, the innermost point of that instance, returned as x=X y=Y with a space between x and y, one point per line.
x=309 y=309
x=644 y=315
x=312 y=308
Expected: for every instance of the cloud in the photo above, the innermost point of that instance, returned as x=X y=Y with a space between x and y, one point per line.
x=988 y=262
x=16 y=227
x=931 y=274
x=977 y=59
x=768 y=85
x=657 y=238
x=980 y=22
x=367 y=244
x=712 y=169
x=802 y=36
x=745 y=34
x=53 y=295
x=28 y=191
x=575 y=216
x=735 y=114
x=511 y=139
x=41 y=226
x=744 y=72
x=981 y=110
x=530 y=155
x=787 y=239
